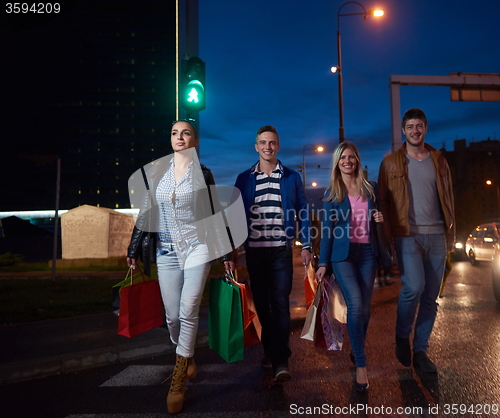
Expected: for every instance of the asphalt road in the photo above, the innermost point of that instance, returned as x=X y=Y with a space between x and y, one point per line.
x=465 y=346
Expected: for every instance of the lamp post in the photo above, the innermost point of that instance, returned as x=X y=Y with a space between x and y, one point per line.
x=490 y=183
x=318 y=148
x=338 y=68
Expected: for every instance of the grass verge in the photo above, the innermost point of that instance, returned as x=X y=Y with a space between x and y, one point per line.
x=27 y=300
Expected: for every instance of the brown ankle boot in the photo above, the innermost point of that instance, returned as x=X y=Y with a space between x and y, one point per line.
x=191 y=368
x=175 y=397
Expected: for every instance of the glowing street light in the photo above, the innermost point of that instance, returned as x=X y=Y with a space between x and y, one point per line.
x=317 y=148
x=376 y=13
x=490 y=183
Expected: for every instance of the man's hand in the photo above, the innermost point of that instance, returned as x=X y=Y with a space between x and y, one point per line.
x=306 y=257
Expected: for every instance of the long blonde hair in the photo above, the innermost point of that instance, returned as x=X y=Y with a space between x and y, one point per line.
x=337 y=189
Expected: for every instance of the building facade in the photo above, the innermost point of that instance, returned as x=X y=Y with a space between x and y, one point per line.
x=95 y=87
x=475 y=171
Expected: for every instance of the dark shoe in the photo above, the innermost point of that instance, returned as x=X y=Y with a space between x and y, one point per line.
x=403 y=351
x=361 y=387
x=266 y=363
x=424 y=363
x=282 y=374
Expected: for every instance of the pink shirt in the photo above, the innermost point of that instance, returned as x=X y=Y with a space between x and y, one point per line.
x=359 y=220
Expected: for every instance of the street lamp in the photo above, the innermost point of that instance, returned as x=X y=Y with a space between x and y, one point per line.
x=318 y=148
x=490 y=183
x=376 y=13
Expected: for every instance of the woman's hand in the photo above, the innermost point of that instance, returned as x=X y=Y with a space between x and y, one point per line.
x=131 y=262
x=320 y=274
x=378 y=217
x=230 y=266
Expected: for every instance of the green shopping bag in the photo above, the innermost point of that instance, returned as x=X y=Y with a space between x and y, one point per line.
x=225 y=319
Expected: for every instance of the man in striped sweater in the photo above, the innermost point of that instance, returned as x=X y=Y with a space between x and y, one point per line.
x=274 y=202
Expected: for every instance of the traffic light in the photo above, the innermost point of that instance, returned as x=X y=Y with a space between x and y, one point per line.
x=193 y=85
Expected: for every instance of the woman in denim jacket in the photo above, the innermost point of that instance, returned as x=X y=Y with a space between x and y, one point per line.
x=349 y=246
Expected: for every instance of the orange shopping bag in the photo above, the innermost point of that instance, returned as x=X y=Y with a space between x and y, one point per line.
x=251 y=324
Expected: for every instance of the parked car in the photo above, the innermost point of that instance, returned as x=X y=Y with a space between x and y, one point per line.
x=482 y=242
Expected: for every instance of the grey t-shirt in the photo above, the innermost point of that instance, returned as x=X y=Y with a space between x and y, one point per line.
x=425 y=213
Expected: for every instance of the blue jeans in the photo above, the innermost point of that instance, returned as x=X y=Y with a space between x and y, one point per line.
x=182 y=272
x=422 y=259
x=271 y=272
x=356 y=276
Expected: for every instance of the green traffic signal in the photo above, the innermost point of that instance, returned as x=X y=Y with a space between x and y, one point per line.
x=195 y=92
x=193 y=85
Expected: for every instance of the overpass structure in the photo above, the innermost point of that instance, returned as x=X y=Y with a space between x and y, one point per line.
x=464 y=87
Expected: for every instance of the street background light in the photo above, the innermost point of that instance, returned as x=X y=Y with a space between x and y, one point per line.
x=339 y=68
x=497 y=187
x=317 y=148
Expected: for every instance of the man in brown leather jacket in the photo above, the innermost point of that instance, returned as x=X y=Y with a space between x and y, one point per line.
x=416 y=199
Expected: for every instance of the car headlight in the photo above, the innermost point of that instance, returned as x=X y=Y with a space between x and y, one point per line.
x=459 y=245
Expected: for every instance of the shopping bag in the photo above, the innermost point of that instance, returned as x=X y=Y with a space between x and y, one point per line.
x=333 y=315
x=141 y=307
x=225 y=319
x=309 y=284
x=310 y=322
x=337 y=308
x=319 y=336
x=252 y=329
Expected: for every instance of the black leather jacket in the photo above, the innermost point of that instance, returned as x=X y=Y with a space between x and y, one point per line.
x=213 y=233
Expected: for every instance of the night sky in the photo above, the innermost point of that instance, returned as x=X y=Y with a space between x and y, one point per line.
x=268 y=62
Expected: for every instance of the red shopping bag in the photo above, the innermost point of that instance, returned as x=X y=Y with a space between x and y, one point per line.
x=141 y=307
